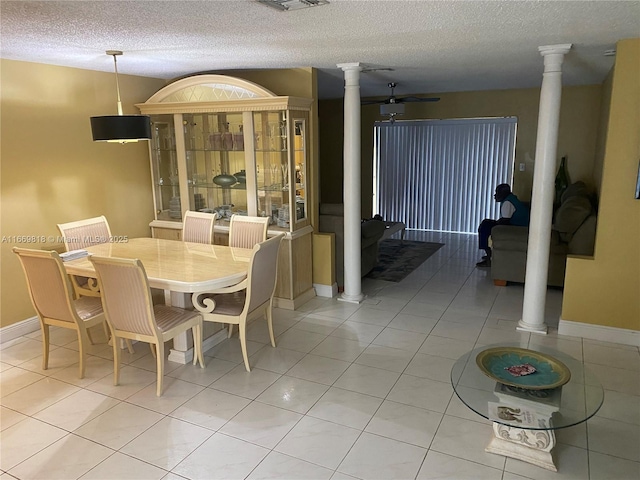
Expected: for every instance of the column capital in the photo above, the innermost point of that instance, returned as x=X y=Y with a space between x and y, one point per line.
x=562 y=49
x=350 y=66
x=554 y=56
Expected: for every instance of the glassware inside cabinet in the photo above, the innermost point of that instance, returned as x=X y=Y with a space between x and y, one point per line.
x=272 y=167
x=216 y=163
x=165 y=168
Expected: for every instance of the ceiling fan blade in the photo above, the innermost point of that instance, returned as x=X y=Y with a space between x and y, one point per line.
x=372 y=102
x=417 y=99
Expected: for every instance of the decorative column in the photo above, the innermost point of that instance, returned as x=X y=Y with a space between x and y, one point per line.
x=351 y=187
x=535 y=286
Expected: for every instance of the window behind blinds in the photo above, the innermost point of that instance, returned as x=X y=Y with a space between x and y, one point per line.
x=441 y=174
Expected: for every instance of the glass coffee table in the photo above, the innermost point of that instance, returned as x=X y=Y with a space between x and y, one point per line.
x=527 y=394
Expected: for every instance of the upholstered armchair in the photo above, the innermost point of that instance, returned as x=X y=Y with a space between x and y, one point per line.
x=248 y=300
x=52 y=297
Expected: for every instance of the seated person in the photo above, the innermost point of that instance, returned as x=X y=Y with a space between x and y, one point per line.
x=512 y=212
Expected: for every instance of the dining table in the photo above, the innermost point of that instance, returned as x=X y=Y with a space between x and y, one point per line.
x=178 y=268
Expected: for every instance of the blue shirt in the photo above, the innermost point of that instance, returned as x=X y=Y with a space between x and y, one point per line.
x=520 y=216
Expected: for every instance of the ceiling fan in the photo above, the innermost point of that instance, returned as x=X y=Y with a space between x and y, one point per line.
x=393 y=105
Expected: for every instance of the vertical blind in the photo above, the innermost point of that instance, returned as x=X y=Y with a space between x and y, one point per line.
x=441 y=174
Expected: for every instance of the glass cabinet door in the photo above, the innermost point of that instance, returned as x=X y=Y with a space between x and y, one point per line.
x=300 y=168
x=216 y=177
x=222 y=171
x=165 y=168
x=272 y=167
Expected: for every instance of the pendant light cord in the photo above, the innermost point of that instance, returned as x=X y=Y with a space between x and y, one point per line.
x=115 y=65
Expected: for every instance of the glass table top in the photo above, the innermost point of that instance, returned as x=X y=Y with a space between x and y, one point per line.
x=524 y=401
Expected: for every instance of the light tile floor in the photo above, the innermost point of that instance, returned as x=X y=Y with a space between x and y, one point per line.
x=352 y=391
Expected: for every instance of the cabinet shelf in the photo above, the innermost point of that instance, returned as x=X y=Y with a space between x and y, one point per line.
x=217 y=187
x=273 y=188
x=212 y=150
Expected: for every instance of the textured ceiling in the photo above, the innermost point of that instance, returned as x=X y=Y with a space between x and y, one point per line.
x=432 y=46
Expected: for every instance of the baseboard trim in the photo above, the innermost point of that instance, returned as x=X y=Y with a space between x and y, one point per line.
x=599 y=332
x=17 y=330
x=184 y=357
x=328 y=291
x=288 y=304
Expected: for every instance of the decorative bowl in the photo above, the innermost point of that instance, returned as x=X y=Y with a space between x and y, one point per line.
x=225 y=180
x=241 y=176
x=549 y=371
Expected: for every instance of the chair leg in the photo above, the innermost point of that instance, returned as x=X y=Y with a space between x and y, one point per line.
x=242 y=332
x=270 y=324
x=230 y=330
x=89 y=336
x=197 y=345
x=153 y=350
x=116 y=359
x=45 y=346
x=83 y=340
x=130 y=346
x=106 y=331
x=159 y=366
x=194 y=334
x=200 y=340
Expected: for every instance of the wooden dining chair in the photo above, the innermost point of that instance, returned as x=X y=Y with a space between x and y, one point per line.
x=197 y=227
x=250 y=299
x=245 y=232
x=130 y=313
x=82 y=234
x=52 y=297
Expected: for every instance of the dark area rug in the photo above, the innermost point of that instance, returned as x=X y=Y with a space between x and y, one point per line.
x=396 y=260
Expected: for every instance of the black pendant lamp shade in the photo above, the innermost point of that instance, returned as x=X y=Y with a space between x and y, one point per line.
x=120 y=128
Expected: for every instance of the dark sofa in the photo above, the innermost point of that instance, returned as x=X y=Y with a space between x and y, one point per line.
x=573 y=233
x=332 y=221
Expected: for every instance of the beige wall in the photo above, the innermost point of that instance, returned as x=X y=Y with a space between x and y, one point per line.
x=579 y=118
x=601 y=139
x=605 y=290
x=52 y=171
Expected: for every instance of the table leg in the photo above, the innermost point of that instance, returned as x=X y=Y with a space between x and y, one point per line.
x=532 y=446
x=181 y=352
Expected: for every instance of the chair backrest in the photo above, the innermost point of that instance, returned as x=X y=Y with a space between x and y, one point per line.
x=245 y=232
x=197 y=227
x=263 y=270
x=49 y=286
x=126 y=296
x=84 y=233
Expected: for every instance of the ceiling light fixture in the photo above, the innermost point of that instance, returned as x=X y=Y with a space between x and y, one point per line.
x=120 y=128
x=392 y=109
x=287 y=5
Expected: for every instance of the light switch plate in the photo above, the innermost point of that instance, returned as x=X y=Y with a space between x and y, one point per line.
x=522 y=167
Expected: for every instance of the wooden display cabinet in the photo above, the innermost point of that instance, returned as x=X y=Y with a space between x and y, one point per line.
x=226 y=145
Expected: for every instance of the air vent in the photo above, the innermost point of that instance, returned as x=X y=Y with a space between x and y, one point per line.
x=288 y=5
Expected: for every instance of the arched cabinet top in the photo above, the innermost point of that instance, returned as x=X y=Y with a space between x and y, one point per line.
x=211 y=93
x=209 y=88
